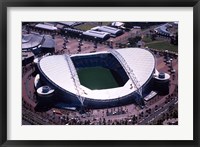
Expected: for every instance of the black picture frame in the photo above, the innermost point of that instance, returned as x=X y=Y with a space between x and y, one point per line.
x=4 y=4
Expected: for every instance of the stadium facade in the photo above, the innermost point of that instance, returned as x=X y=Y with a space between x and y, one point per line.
x=133 y=68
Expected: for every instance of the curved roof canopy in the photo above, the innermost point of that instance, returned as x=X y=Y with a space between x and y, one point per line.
x=142 y=62
x=31 y=40
x=96 y=34
x=110 y=30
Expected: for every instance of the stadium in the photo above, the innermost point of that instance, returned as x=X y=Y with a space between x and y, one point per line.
x=77 y=80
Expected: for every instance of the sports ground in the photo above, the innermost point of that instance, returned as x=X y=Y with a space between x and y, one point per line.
x=97 y=78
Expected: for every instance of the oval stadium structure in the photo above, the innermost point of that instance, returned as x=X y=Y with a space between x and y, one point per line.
x=132 y=68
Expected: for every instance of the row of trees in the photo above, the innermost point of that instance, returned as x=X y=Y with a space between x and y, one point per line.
x=174 y=39
x=172 y=113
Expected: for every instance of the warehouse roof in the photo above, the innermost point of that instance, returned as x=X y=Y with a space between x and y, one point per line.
x=96 y=33
x=46 y=27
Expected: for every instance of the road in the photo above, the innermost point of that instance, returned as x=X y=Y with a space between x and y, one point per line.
x=158 y=112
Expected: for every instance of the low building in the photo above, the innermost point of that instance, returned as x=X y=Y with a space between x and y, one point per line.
x=46 y=27
x=37 y=44
x=163 y=30
x=111 y=30
x=96 y=35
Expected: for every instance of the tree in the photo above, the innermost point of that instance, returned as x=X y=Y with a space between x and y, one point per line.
x=153 y=37
x=167 y=116
x=156 y=107
x=174 y=39
x=133 y=41
x=175 y=114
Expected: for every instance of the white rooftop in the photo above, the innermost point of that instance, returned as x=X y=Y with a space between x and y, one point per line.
x=95 y=33
x=46 y=93
x=163 y=28
x=31 y=40
x=117 y=24
x=141 y=62
x=45 y=26
x=108 y=29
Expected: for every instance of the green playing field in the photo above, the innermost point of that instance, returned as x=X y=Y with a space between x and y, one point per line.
x=97 y=78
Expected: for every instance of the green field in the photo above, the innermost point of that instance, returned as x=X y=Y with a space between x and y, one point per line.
x=106 y=23
x=88 y=26
x=162 y=45
x=84 y=27
x=147 y=39
x=97 y=78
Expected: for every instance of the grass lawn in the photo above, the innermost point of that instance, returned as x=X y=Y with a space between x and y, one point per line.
x=162 y=45
x=106 y=23
x=88 y=26
x=84 y=27
x=146 y=39
x=97 y=78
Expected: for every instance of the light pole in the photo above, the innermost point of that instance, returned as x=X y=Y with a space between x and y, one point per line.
x=80 y=36
x=95 y=43
x=111 y=44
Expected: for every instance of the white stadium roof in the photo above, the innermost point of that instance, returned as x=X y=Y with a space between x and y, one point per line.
x=141 y=61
